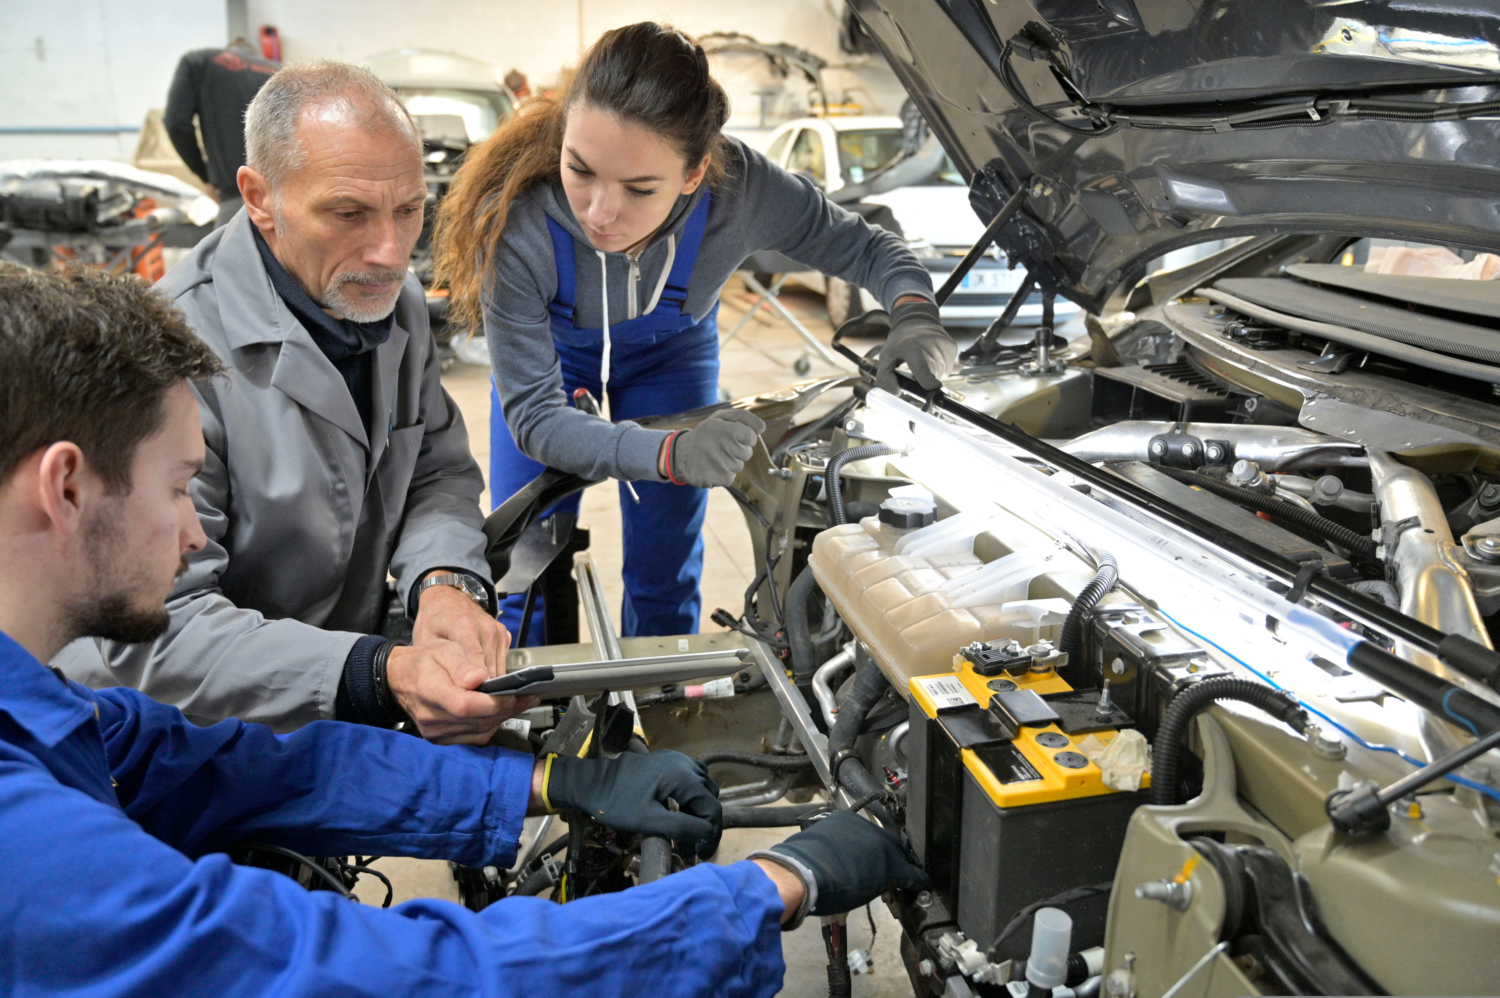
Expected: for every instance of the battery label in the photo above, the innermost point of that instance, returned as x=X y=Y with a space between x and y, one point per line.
x=1007 y=763
x=946 y=692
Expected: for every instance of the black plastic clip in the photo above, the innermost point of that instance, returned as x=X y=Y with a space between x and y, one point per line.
x=1302 y=580
x=1390 y=533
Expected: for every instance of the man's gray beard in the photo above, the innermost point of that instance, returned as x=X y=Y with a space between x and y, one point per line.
x=335 y=300
x=112 y=608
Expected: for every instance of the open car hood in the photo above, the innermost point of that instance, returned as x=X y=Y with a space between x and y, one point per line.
x=1141 y=126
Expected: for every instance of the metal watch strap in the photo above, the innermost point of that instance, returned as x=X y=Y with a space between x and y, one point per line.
x=458 y=580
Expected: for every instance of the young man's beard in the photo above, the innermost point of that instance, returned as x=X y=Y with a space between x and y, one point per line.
x=114 y=608
x=115 y=617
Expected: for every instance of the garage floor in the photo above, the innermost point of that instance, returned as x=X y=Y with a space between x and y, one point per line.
x=759 y=359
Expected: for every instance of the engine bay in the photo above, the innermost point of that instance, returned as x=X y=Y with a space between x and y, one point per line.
x=1148 y=627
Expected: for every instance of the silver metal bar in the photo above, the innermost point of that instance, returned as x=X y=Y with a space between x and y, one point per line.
x=1274 y=448
x=535 y=845
x=1193 y=971
x=823 y=678
x=595 y=607
x=596 y=615
x=744 y=319
x=775 y=788
x=791 y=320
x=794 y=707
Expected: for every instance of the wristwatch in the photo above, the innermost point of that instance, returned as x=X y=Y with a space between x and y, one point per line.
x=462 y=581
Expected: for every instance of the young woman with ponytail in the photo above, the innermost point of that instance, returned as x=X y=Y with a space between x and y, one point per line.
x=589 y=238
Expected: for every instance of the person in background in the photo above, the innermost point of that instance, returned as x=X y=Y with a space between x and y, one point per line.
x=590 y=237
x=335 y=457
x=212 y=87
x=518 y=84
x=116 y=810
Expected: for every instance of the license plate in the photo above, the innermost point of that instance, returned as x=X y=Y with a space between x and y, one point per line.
x=991 y=280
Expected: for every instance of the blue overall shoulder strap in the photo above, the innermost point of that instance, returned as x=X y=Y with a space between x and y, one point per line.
x=562 y=303
x=674 y=295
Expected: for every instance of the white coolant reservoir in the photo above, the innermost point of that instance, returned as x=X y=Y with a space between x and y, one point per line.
x=917 y=594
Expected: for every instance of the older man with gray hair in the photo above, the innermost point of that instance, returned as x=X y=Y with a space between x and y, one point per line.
x=335 y=457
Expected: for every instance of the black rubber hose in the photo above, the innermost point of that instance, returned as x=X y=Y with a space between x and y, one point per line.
x=536 y=883
x=776 y=763
x=1078 y=969
x=1281 y=509
x=865 y=691
x=799 y=627
x=540 y=879
x=1193 y=700
x=769 y=817
x=836 y=465
x=1103 y=581
x=656 y=859
x=836 y=941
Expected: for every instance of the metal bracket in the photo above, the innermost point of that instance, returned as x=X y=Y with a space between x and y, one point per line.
x=1179 y=449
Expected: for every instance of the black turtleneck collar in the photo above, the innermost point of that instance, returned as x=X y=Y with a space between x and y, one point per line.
x=337 y=338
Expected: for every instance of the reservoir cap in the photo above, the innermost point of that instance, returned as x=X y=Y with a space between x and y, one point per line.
x=907 y=512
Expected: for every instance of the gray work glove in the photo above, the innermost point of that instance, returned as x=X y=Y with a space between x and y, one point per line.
x=918 y=340
x=713 y=452
x=630 y=793
x=853 y=861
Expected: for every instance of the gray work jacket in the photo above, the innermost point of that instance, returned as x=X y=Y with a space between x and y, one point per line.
x=305 y=513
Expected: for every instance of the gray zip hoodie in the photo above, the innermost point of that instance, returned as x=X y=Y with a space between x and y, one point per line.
x=758 y=207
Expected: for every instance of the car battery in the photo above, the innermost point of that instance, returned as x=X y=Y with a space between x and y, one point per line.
x=1003 y=809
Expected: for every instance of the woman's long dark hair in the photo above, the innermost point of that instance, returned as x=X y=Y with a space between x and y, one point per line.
x=646 y=74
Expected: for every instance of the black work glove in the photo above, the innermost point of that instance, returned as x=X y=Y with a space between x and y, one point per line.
x=918 y=340
x=630 y=794
x=713 y=452
x=853 y=860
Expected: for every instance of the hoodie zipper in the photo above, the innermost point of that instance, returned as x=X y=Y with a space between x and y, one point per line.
x=632 y=296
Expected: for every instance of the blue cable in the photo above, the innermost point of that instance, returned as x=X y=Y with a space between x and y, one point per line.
x=1453 y=777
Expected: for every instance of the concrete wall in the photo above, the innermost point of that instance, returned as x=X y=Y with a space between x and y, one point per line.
x=92 y=64
x=101 y=63
x=541 y=38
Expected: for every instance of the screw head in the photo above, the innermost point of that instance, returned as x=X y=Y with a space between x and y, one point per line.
x=1158 y=447
x=1215 y=452
x=924 y=899
x=1188 y=450
x=1489 y=545
x=1117 y=666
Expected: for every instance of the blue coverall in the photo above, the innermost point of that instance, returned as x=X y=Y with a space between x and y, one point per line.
x=660 y=363
x=112 y=807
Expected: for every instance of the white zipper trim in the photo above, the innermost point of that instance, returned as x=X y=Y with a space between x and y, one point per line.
x=666 y=268
x=604 y=357
x=630 y=288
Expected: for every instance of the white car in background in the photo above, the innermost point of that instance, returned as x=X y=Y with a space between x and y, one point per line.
x=455 y=101
x=934 y=215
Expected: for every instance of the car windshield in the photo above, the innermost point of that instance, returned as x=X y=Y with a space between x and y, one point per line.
x=482 y=111
x=866 y=150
